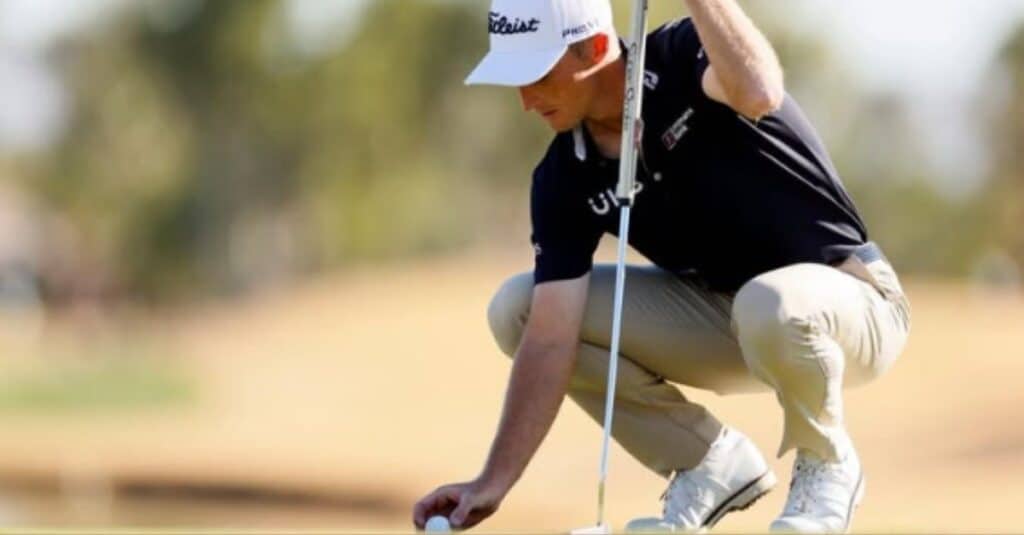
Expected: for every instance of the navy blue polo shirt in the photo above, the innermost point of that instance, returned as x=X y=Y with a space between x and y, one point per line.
x=718 y=194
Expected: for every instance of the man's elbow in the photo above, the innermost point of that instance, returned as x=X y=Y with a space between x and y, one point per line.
x=763 y=95
x=763 y=100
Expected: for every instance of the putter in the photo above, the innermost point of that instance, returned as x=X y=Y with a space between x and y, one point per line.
x=632 y=130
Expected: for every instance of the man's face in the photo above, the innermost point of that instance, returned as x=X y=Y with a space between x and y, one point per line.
x=558 y=98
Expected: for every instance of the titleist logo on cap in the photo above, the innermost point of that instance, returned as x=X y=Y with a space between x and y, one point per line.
x=500 y=24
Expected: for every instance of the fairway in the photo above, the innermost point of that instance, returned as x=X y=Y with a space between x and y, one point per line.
x=298 y=419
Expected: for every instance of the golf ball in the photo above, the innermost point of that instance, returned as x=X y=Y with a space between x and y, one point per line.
x=438 y=524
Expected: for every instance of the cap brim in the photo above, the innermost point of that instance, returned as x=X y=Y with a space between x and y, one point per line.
x=514 y=69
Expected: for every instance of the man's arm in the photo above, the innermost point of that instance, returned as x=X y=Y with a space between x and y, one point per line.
x=540 y=377
x=744 y=73
x=538 y=383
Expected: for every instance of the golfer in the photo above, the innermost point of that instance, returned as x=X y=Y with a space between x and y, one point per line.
x=762 y=275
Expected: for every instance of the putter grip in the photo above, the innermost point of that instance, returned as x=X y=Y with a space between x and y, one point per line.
x=632 y=125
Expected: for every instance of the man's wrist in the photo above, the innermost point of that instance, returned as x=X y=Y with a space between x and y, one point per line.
x=496 y=480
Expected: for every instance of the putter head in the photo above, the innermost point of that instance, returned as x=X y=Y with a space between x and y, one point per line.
x=600 y=529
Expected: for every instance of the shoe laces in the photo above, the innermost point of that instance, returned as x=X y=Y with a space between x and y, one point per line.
x=691 y=493
x=811 y=481
x=686 y=498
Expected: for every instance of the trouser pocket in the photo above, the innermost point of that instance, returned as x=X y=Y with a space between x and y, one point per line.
x=870 y=265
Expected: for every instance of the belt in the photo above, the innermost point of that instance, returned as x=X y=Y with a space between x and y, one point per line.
x=870 y=252
x=856 y=263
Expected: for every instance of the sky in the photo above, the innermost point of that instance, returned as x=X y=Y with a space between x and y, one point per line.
x=938 y=46
x=33 y=104
x=935 y=51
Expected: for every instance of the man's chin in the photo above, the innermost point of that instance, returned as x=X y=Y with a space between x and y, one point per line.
x=561 y=127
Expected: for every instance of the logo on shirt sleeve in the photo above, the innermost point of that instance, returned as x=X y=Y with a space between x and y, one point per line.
x=537 y=250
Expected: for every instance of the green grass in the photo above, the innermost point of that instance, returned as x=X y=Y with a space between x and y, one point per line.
x=109 y=384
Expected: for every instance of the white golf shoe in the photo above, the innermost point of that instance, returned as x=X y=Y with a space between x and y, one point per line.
x=822 y=495
x=732 y=476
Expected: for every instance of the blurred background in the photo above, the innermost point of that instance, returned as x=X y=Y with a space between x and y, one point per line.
x=246 y=248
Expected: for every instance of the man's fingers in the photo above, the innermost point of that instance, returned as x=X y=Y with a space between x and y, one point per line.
x=458 y=517
x=421 y=510
x=465 y=507
x=428 y=505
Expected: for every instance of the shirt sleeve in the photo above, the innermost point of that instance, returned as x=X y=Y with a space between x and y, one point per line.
x=565 y=235
x=679 y=49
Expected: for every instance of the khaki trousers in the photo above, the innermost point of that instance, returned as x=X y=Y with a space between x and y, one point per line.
x=804 y=331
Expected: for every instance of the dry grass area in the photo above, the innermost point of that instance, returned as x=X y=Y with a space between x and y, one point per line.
x=374 y=386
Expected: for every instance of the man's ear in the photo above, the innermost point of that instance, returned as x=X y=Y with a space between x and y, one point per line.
x=599 y=48
x=597 y=52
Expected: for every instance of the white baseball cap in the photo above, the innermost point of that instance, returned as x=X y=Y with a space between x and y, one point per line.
x=528 y=37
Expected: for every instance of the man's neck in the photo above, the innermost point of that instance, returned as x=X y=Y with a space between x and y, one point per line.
x=604 y=120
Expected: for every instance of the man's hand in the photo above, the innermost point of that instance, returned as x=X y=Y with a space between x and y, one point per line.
x=464 y=504
x=540 y=377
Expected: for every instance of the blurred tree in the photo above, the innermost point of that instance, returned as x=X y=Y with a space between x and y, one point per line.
x=209 y=151
x=1004 y=97
x=206 y=154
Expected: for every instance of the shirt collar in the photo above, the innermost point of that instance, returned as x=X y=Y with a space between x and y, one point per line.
x=579 y=143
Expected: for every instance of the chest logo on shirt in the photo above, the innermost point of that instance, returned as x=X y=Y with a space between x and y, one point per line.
x=603 y=202
x=675 y=133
